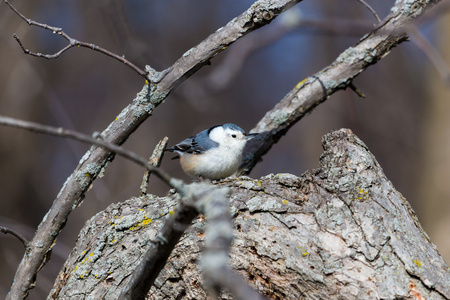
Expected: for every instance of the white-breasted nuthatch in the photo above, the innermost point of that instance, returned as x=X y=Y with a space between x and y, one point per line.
x=214 y=153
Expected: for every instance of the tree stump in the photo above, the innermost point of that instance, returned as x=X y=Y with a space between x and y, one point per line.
x=340 y=231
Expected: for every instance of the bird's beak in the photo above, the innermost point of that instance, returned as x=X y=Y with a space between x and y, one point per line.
x=249 y=136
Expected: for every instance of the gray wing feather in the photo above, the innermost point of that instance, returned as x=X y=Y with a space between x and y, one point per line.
x=191 y=144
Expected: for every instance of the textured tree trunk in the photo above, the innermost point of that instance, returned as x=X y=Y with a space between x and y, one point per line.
x=340 y=231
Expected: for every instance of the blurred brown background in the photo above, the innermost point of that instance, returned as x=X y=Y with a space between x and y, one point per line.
x=404 y=119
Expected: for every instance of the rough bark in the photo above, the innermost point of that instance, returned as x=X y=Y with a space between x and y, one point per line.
x=94 y=161
x=317 y=88
x=339 y=75
x=340 y=231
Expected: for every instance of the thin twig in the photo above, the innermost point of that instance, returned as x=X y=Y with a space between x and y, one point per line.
x=356 y=90
x=36 y=127
x=20 y=237
x=370 y=9
x=316 y=89
x=145 y=180
x=155 y=160
x=259 y=14
x=72 y=43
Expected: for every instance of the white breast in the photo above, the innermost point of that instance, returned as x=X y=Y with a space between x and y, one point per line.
x=216 y=163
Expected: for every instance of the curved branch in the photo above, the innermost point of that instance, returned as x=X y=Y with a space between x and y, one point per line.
x=72 y=43
x=262 y=12
x=14 y=233
x=374 y=13
x=339 y=231
x=314 y=90
x=81 y=137
x=305 y=97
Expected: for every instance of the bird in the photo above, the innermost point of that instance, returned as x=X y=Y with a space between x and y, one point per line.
x=214 y=153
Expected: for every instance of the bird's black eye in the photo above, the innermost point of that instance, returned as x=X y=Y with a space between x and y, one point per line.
x=233 y=136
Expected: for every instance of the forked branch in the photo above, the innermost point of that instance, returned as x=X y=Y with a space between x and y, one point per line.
x=261 y=13
x=71 y=43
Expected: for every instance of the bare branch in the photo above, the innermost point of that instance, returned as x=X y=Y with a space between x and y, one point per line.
x=314 y=90
x=224 y=73
x=36 y=127
x=72 y=43
x=213 y=203
x=356 y=90
x=261 y=13
x=374 y=13
x=14 y=233
x=155 y=160
x=281 y=237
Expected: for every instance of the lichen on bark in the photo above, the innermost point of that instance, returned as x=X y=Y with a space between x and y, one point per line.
x=340 y=231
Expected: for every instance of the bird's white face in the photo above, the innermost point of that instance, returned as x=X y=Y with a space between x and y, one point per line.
x=233 y=139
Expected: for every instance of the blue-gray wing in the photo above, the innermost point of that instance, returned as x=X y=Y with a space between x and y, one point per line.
x=186 y=146
x=195 y=144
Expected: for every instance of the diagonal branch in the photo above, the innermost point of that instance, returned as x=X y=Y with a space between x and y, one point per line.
x=81 y=137
x=339 y=75
x=262 y=12
x=210 y=201
x=305 y=96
